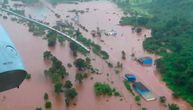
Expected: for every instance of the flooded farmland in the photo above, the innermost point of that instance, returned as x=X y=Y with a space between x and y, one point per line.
x=106 y=16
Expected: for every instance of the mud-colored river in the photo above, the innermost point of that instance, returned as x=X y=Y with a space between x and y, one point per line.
x=106 y=16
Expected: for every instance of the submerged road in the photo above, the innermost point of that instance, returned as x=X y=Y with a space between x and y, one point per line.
x=48 y=27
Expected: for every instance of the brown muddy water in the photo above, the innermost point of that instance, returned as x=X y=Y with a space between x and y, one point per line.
x=106 y=16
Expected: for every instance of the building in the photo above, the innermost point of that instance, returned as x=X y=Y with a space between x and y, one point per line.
x=12 y=71
x=130 y=77
x=145 y=61
x=143 y=91
x=111 y=33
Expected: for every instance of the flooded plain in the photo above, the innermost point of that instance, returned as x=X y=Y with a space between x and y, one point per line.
x=106 y=16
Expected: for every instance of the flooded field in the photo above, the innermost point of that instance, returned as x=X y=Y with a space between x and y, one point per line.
x=106 y=16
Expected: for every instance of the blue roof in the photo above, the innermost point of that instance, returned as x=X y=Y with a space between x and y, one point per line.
x=147 y=61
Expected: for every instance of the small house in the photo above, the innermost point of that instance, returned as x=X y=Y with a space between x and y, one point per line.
x=145 y=61
x=111 y=33
x=130 y=77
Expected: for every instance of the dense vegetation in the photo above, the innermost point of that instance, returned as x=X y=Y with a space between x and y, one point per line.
x=172 y=29
x=128 y=86
x=95 y=47
x=69 y=92
x=105 y=89
x=57 y=72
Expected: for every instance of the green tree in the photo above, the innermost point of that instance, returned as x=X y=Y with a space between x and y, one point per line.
x=28 y=76
x=138 y=99
x=68 y=84
x=38 y=108
x=69 y=94
x=88 y=62
x=48 y=105
x=61 y=39
x=46 y=97
x=80 y=64
x=56 y=63
x=162 y=99
x=74 y=47
x=51 y=41
x=57 y=71
x=102 y=89
x=79 y=77
x=190 y=84
x=144 y=108
x=47 y=55
x=58 y=87
x=173 y=107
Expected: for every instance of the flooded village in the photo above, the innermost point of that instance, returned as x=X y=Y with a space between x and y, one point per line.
x=120 y=47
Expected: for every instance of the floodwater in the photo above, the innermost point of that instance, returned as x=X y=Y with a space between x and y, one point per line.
x=104 y=15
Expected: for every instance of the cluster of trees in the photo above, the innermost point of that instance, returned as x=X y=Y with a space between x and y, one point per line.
x=76 y=48
x=36 y=29
x=95 y=47
x=82 y=65
x=172 y=32
x=138 y=100
x=105 y=89
x=53 y=37
x=128 y=86
x=69 y=92
x=48 y=104
x=57 y=71
x=173 y=107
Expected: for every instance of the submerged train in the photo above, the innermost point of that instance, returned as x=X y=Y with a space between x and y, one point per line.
x=12 y=70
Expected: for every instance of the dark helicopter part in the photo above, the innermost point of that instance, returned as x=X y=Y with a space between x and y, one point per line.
x=12 y=71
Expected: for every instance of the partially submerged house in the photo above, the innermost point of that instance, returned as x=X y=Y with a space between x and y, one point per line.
x=143 y=91
x=111 y=33
x=145 y=61
x=130 y=77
